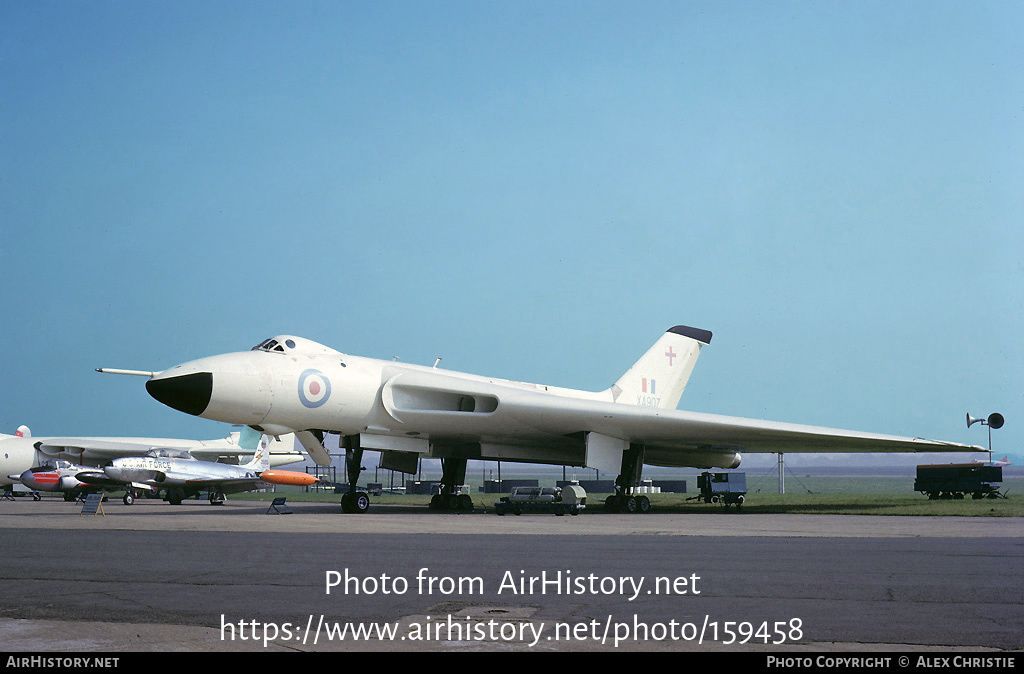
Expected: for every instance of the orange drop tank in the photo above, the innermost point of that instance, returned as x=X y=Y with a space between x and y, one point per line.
x=289 y=477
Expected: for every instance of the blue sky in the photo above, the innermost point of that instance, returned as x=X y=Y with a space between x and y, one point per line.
x=532 y=190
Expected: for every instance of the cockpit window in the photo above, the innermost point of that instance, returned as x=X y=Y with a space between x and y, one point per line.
x=167 y=453
x=50 y=464
x=270 y=345
x=293 y=346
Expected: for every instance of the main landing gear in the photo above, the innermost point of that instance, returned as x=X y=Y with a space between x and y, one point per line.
x=453 y=474
x=174 y=495
x=354 y=501
x=624 y=500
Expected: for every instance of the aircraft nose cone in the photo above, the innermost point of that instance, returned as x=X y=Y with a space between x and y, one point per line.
x=188 y=393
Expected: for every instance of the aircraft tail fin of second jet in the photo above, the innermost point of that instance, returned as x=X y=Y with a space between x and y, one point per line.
x=660 y=376
x=261 y=459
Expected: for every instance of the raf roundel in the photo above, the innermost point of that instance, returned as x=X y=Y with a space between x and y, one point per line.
x=314 y=388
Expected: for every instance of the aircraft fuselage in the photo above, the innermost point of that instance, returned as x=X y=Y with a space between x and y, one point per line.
x=282 y=392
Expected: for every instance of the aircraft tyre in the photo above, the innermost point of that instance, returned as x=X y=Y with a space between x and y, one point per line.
x=643 y=505
x=466 y=503
x=629 y=505
x=355 y=503
x=499 y=509
x=611 y=504
x=36 y=496
x=68 y=496
x=128 y=498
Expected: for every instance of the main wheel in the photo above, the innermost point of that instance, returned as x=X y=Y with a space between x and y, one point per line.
x=361 y=502
x=466 y=502
x=629 y=505
x=643 y=505
x=128 y=498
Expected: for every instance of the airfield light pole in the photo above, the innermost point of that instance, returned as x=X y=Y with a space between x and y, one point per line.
x=994 y=420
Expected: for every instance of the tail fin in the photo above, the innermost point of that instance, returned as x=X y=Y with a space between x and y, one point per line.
x=23 y=432
x=261 y=459
x=659 y=377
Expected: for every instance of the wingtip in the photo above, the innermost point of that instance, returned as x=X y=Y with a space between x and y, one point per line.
x=703 y=336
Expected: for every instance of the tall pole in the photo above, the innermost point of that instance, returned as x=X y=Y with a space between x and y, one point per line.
x=782 y=473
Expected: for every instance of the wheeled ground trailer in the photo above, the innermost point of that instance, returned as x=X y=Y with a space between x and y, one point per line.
x=725 y=488
x=956 y=480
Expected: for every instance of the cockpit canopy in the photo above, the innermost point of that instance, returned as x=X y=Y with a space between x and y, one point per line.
x=168 y=453
x=51 y=464
x=272 y=345
x=290 y=344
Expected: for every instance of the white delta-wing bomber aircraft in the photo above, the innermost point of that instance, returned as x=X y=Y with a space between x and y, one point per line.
x=293 y=385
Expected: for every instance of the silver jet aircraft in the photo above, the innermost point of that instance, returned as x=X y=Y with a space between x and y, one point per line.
x=179 y=475
x=55 y=475
x=21 y=451
x=289 y=384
